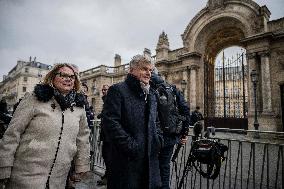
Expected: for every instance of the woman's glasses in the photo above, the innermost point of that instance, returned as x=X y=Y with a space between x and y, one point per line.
x=65 y=76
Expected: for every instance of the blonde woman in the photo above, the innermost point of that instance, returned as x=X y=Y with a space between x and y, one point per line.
x=48 y=130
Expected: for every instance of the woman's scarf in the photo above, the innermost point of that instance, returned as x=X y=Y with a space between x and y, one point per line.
x=67 y=101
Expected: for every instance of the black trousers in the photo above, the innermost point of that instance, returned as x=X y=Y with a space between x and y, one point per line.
x=106 y=149
x=165 y=165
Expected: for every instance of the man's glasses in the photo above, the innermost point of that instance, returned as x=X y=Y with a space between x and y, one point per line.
x=65 y=76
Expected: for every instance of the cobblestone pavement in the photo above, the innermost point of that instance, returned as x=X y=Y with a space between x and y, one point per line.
x=89 y=182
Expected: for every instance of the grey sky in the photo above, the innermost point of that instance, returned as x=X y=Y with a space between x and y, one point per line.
x=90 y=32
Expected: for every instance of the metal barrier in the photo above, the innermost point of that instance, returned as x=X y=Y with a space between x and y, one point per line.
x=250 y=164
x=96 y=146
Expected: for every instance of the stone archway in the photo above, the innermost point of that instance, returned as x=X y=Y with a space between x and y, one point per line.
x=221 y=25
x=224 y=23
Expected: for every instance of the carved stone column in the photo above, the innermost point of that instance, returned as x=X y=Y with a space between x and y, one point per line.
x=193 y=86
x=251 y=60
x=266 y=84
x=185 y=77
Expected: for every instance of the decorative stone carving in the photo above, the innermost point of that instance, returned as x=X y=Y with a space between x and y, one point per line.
x=251 y=55
x=280 y=57
x=163 y=41
x=264 y=53
x=256 y=23
x=213 y=4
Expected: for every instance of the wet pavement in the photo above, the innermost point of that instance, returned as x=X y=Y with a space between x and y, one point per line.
x=89 y=181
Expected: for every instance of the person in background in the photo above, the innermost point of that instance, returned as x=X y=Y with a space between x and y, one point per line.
x=89 y=111
x=3 y=106
x=170 y=139
x=5 y=117
x=196 y=121
x=106 y=145
x=4 y=113
x=49 y=129
x=16 y=105
x=130 y=124
x=196 y=116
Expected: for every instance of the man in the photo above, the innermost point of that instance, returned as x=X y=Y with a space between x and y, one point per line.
x=130 y=113
x=16 y=105
x=170 y=137
x=195 y=118
x=4 y=113
x=88 y=109
x=106 y=145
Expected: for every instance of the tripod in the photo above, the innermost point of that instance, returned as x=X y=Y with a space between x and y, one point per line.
x=201 y=150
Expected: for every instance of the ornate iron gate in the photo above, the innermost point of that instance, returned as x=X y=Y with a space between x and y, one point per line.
x=225 y=93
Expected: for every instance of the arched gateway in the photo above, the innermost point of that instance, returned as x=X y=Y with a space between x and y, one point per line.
x=221 y=24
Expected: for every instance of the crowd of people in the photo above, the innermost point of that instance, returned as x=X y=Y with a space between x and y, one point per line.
x=46 y=144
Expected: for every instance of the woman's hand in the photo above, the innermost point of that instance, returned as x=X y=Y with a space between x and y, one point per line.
x=83 y=175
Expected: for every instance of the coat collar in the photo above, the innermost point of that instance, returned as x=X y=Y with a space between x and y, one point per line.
x=45 y=93
x=134 y=84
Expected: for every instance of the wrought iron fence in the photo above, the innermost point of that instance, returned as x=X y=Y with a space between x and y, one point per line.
x=250 y=164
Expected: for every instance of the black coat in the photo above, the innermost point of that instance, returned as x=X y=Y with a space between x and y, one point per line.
x=130 y=123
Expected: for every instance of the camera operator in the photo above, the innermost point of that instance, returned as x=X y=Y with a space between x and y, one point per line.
x=170 y=139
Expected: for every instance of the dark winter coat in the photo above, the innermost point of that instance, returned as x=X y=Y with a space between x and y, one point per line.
x=195 y=116
x=183 y=108
x=102 y=131
x=130 y=123
x=184 y=111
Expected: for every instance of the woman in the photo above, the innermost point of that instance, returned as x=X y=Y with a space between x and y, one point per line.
x=48 y=130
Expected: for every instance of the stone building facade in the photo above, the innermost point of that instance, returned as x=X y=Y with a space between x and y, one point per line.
x=219 y=25
x=21 y=79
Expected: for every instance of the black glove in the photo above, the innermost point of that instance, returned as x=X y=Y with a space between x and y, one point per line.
x=3 y=182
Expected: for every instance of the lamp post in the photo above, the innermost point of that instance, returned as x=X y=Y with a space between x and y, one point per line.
x=183 y=86
x=254 y=80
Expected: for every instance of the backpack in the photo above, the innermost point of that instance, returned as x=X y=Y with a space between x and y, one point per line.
x=170 y=119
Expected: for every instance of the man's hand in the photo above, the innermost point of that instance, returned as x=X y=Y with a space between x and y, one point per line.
x=183 y=140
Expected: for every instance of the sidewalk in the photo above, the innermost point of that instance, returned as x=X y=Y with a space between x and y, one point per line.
x=89 y=182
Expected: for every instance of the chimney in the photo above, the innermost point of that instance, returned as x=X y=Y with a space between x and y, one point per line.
x=117 y=60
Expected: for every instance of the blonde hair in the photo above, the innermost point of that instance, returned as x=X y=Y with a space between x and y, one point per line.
x=48 y=79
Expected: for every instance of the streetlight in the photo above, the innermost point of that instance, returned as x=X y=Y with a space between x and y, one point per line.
x=183 y=86
x=254 y=80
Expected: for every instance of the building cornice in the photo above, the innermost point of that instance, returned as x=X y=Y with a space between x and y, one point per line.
x=263 y=36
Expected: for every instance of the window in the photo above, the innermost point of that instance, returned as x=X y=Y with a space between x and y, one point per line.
x=24 y=89
x=226 y=92
x=25 y=79
x=26 y=70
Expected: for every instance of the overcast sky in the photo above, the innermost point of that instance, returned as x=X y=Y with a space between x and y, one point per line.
x=90 y=32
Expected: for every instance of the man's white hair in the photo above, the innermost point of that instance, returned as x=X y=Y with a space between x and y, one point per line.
x=137 y=59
